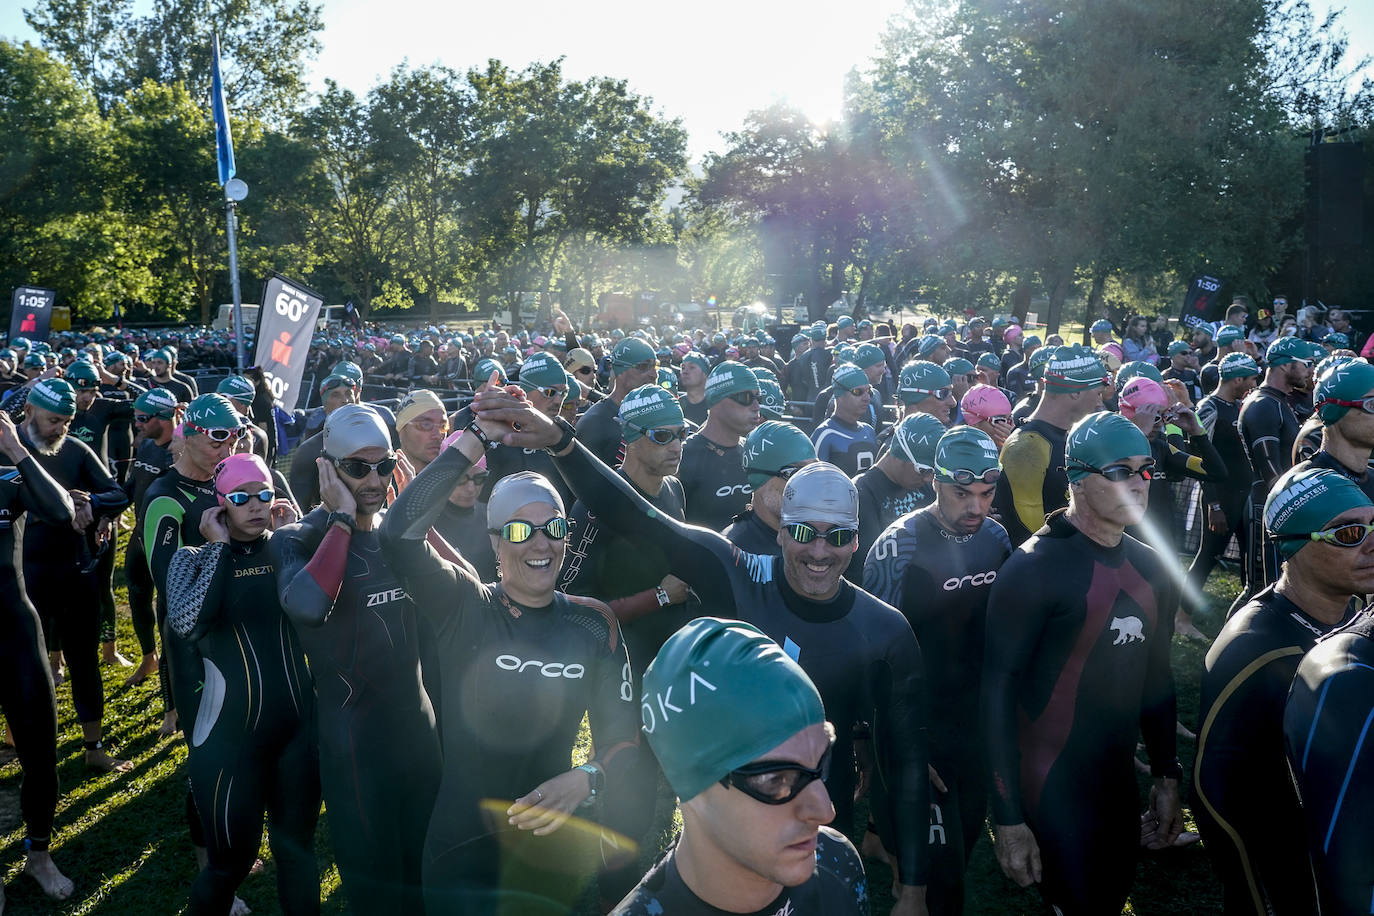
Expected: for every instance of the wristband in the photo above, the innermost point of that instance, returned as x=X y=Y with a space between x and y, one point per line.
x=569 y=434
x=348 y=521
x=596 y=781
x=476 y=430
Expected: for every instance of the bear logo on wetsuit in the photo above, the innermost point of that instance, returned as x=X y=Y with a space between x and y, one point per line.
x=1128 y=629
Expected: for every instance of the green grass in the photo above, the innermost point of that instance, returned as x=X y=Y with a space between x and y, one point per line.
x=123 y=838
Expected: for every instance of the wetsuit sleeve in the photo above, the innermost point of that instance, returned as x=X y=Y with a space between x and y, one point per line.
x=1158 y=701
x=1261 y=427
x=885 y=566
x=107 y=497
x=614 y=715
x=43 y=498
x=162 y=534
x=310 y=572
x=700 y=557
x=1025 y=462
x=195 y=589
x=1197 y=458
x=1017 y=614
x=904 y=749
x=434 y=583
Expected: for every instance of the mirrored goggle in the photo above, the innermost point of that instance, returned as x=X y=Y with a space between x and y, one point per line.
x=938 y=394
x=357 y=468
x=861 y=392
x=1117 y=473
x=221 y=434
x=803 y=533
x=240 y=498
x=777 y=782
x=964 y=477
x=1365 y=404
x=518 y=531
x=745 y=398
x=663 y=435
x=1351 y=535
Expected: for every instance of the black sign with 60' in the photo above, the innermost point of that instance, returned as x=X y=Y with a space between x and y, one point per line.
x=286 y=323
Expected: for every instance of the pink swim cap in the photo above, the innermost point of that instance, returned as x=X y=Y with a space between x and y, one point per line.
x=1141 y=392
x=983 y=402
x=237 y=470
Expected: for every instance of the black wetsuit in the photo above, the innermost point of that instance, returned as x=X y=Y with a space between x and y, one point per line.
x=693 y=413
x=26 y=691
x=303 y=475
x=1326 y=726
x=1175 y=459
x=251 y=749
x=713 y=478
x=1268 y=428
x=599 y=429
x=1190 y=380
x=1033 y=483
x=59 y=569
x=1323 y=459
x=93 y=426
x=941 y=582
x=517 y=681
x=378 y=743
x=1221 y=418
x=504 y=460
x=860 y=653
x=150 y=461
x=1245 y=804
x=881 y=502
x=465 y=530
x=852 y=447
x=838 y=887
x=752 y=534
x=1076 y=665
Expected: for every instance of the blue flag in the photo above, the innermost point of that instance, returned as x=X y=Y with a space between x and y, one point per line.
x=224 y=140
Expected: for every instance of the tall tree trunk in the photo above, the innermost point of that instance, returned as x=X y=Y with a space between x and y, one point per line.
x=1094 y=309
x=1059 y=291
x=1021 y=300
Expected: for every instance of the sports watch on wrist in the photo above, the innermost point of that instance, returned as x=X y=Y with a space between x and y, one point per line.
x=347 y=520
x=596 y=779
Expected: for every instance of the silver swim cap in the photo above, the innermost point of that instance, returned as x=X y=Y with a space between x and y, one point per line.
x=820 y=493
x=515 y=491
x=352 y=428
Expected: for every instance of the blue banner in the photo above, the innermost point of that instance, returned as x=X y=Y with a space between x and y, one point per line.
x=224 y=140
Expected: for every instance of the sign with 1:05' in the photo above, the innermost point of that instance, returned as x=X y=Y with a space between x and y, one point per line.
x=286 y=323
x=31 y=315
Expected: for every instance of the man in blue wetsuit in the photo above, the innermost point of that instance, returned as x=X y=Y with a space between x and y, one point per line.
x=845 y=440
x=744 y=743
x=937 y=566
x=1075 y=667
x=1246 y=806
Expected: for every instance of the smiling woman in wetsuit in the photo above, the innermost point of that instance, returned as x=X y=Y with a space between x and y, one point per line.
x=522 y=664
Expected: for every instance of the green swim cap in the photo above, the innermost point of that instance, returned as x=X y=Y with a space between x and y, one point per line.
x=1075 y=368
x=55 y=395
x=718 y=695
x=772 y=446
x=483 y=370
x=82 y=374
x=648 y=407
x=1304 y=500
x=1035 y=367
x=1206 y=329
x=1101 y=326
x=847 y=376
x=772 y=405
x=1100 y=439
x=1337 y=341
x=729 y=378
x=348 y=369
x=964 y=448
x=699 y=359
x=1347 y=381
x=1178 y=348
x=914 y=439
x=1136 y=368
x=763 y=372
x=541 y=370
x=628 y=353
x=1228 y=334
x=957 y=365
x=1237 y=365
x=156 y=402
x=989 y=361
x=667 y=379
x=929 y=344
x=866 y=356
x=237 y=388
x=211 y=411
x=920 y=379
x=1288 y=350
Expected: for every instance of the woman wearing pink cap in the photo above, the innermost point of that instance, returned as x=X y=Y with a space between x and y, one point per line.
x=250 y=707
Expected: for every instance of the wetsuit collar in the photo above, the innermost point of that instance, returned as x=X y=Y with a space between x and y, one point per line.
x=817 y=611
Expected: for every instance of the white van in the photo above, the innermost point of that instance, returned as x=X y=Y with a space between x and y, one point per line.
x=224 y=318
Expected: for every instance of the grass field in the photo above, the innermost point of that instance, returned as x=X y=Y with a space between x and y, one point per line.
x=123 y=839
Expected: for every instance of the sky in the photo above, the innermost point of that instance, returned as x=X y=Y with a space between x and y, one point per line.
x=709 y=62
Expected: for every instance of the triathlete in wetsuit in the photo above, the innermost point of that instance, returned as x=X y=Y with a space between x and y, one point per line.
x=26 y=691
x=633 y=364
x=838 y=632
x=522 y=665
x=58 y=572
x=712 y=472
x=844 y=439
x=692 y=380
x=155 y=417
x=463 y=523
x=937 y=566
x=1247 y=809
x=378 y=744
x=899 y=483
x=1347 y=429
x=1076 y=665
x=1326 y=730
x=773 y=452
x=251 y=748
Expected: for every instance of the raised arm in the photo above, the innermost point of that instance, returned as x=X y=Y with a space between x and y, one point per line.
x=39 y=493
x=195 y=589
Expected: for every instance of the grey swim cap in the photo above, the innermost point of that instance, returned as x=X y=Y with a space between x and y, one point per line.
x=820 y=492
x=352 y=428
x=516 y=491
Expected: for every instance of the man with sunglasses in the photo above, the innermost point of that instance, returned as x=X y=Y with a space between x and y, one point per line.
x=898 y=483
x=746 y=755
x=337 y=390
x=773 y=452
x=1033 y=482
x=1246 y=806
x=378 y=743
x=937 y=565
x=831 y=628
x=1075 y=669
x=844 y=439
x=462 y=523
x=1344 y=402
x=924 y=387
x=545 y=383
x=632 y=364
x=156 y=414
x=712 y=469
x=59 y=559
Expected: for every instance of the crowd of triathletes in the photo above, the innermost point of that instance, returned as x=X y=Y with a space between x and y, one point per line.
x=965 y=541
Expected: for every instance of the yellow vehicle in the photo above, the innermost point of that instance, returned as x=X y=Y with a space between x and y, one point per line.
x=61 y=318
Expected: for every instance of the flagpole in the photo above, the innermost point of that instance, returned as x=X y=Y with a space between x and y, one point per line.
x=234 y=191
x=232 y=219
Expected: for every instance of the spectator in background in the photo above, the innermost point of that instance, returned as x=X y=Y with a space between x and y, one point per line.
x=1265 y=331
x=1137 y=344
